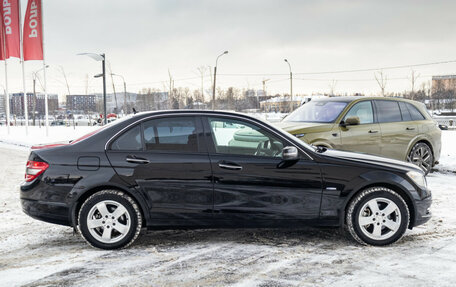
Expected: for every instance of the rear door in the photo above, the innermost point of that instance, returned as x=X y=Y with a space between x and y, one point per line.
x=167 y=160
x=397 y=129
x=251 y=181
x=366 y=136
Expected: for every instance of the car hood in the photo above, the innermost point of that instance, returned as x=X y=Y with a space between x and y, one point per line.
x=370 y=159
x=304 y=127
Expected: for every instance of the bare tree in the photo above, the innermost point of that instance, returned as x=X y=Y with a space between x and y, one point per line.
x=381 y=80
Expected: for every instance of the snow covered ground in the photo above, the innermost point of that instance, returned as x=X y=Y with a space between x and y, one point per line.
x=34 y=253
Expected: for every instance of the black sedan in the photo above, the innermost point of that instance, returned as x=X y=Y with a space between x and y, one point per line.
x=203 y=169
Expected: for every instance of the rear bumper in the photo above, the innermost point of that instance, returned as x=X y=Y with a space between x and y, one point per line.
x=423 y=212
x=51 y=212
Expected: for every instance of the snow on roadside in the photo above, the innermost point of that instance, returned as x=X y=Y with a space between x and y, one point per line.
x=448 y=153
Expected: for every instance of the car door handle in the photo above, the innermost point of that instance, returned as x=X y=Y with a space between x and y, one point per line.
x=410 y=129
x=229 y=166
x=373 y=132
x=134 y=159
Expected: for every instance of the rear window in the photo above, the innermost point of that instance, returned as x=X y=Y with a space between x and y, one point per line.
x=414 y=113
x=388 y=111
x=405 y=112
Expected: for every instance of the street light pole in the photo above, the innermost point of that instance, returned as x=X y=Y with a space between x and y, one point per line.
x=291 y=86
x=215 y=77
x=104 y=88
x=102 y=58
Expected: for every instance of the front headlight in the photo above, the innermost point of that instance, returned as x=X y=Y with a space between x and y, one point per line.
x=417 y=178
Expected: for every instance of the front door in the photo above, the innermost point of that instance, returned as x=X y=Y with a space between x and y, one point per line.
x=251 y=181
x=165 y=158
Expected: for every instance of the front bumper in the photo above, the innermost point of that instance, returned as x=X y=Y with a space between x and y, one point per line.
x=51 y=212
x=422 y=211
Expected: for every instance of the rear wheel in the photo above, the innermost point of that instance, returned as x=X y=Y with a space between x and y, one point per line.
x=377 y=216
x=421 y=155
x=109 y=219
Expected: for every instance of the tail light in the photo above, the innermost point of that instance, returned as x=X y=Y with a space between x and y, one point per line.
x=34 y=169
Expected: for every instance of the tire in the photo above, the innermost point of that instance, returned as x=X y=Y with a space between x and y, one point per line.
x=382 y=226
x=109 y=219
x=421 y=155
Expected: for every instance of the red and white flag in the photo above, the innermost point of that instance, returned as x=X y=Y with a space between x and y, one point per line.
x=9 y=10
x=33 y=32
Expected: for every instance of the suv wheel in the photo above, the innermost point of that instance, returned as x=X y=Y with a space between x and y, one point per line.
x=421 y=155
x=109 y=219
x=377 y=216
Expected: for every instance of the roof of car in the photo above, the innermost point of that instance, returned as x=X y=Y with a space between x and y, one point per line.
x=349 y=99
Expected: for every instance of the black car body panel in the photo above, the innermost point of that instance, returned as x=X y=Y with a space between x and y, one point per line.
x=182 y=189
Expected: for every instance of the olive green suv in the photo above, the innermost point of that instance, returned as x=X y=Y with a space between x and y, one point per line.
x=390 y=127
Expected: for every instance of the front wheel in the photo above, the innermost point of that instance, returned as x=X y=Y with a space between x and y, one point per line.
x=377 y=216
x=109 y=219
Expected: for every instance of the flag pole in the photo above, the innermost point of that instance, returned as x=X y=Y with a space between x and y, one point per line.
x=23 y=69
x=46 y=106
x=6 y=90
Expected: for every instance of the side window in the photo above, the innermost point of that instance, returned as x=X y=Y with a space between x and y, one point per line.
x=405 y=112
x=415 y=113
x=388 y=111
x=129 y=140
x=171 y=134
x=241 y=138
x=363 y=111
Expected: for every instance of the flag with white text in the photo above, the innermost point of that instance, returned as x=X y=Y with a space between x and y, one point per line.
x=33 y=32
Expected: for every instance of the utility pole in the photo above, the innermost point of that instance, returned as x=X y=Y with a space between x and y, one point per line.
x=125 y=89
x=215 y=78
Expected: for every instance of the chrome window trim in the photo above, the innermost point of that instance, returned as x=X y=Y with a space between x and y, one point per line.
x=254 y=121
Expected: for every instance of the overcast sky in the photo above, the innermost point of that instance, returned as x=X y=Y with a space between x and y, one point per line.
x=144 y=39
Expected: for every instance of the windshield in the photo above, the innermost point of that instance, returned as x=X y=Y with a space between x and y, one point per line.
x=317 y=112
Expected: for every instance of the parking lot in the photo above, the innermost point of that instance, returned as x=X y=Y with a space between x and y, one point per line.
x=33 y=253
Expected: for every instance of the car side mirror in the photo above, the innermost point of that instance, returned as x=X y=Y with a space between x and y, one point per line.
x=290 y=153
x=350 y=121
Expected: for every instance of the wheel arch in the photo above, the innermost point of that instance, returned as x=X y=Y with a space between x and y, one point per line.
x=420 y=140
x=82 y=196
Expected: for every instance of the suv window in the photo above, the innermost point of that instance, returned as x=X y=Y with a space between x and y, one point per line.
x=388 y=111
x=405 y=112
x=414 y=112
x=241 y=138
x=129 y=140
x=362 y=110
x=171 y=134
